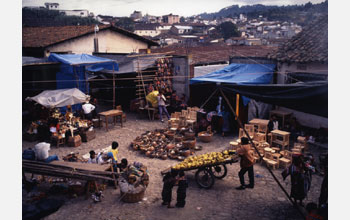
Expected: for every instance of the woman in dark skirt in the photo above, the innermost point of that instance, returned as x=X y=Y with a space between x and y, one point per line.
x=181 y=190
x=169 y=181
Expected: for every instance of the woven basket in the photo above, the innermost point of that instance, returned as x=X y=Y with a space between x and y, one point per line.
x=132 y=197
x=205 y=137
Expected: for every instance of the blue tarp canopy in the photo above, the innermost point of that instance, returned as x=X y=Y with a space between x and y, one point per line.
x=239 y=74
x=92 y=63
x=73 y=69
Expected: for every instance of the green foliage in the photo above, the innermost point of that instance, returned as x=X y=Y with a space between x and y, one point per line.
x=45 y=17
x=228 y=29
x=292 y=13
x=126 y=23
x=182 y=19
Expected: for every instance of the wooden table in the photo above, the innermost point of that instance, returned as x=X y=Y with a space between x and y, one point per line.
x=283 y=114
x=111 y=113
x=257 y=121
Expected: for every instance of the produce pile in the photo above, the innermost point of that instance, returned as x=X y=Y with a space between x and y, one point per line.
x=134 y=179
x=205 y=160
x=164 y=144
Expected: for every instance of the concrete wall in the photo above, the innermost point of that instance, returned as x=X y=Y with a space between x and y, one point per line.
x=109 y=41
x=284 y=68
x=181 y=76
x=304 y=119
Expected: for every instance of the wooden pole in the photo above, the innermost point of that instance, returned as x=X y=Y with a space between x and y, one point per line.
x=251 y=141
x=113 y=88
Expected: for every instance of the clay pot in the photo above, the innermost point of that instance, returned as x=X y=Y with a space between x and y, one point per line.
x=185 y=153
x=135 y=147
x=189 y=143
x=190 y=135
x=164 y=156
x=178 y=138
x=148 y=153
x=170 y=146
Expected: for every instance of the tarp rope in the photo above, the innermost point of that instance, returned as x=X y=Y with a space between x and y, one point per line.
x=261 y=157
x=208 y=99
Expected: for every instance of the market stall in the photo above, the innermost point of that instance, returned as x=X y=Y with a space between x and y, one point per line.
x=61 y=129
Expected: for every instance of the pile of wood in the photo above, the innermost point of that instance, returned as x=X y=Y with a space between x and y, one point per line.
x=64 y=171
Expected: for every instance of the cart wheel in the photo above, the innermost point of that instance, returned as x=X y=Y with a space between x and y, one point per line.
x=205 y=178
x=219 y=171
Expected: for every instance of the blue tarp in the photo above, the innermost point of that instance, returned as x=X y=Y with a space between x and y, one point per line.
x=72 y=72
x=239 y=74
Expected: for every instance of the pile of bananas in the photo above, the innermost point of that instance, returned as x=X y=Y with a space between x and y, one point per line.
x=204 y=159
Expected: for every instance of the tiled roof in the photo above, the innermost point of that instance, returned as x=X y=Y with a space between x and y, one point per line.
x=46 y=36
x=216 y=53
x=310 y=45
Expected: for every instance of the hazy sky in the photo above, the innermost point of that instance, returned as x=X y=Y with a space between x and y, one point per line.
x=157 y=7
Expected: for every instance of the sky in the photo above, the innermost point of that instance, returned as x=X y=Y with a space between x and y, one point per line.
x=185 y=8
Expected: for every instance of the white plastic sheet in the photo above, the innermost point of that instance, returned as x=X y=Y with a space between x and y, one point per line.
x=60 y=97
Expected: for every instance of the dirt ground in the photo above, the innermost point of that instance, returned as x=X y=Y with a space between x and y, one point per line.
x=222 y=201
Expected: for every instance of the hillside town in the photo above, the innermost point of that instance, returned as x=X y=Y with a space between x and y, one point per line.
x=162 y=116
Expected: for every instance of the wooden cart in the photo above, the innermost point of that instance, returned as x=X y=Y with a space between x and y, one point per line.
x=205 y=175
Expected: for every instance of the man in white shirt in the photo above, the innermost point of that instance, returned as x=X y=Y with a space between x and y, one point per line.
x=88 y=108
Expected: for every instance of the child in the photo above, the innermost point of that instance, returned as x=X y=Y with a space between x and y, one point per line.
x=92 y=158
x=181 y=190
x=123 y=165
x=169 y=181
x=113 y=154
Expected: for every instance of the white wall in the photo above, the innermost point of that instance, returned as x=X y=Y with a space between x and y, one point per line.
x=151 y=33
x=109 y=41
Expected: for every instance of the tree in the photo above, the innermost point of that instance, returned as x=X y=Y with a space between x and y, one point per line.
x=126 y=23
x=182 y=19
x=228 y=29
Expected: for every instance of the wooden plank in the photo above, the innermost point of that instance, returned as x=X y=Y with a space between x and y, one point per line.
x=83 y=166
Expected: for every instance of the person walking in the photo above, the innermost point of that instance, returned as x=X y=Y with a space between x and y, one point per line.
x=161 y=106
x=247 y=162
x=300 y=178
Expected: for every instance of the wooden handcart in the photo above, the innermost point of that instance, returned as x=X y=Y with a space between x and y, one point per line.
x=206 y=174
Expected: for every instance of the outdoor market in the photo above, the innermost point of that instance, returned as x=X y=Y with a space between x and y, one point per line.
x=74 y=149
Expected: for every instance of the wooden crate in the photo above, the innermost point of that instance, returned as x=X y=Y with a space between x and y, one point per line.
x=88 y=135
x=74 y=141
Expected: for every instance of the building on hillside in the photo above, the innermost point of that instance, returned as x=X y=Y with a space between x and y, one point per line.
x=171 y=19
x=52 y=6
x=79 y=13
x=151 y=19
x=150 y=30
x=179 y=29
x=304 y=58
x=136 y=15
x=41 y=41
